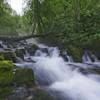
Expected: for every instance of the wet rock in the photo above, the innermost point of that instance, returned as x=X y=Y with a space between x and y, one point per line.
x=32 y=49
x=21 y=93
x=24 y=93
x=24 y=76
x=6 y=78
x=9 y=55
x=6 y=73
x=41 y=94
x=5 y=91
x=20 y=53
x=76 y=53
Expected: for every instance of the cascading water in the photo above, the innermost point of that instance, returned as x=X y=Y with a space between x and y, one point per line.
x=40 y=53
x=60 y=78
x=86 y=58
x=68 y=57
x=19 y=60
x=53 y=71
x=94 y=58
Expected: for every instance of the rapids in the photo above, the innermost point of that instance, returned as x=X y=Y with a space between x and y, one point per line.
x=59 y=77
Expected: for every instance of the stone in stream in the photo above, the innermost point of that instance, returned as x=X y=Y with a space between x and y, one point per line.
x=24 y=76
x=20 y=53
x=33 y=93
x=32 y=49
x=8 y=55
x=15 y=81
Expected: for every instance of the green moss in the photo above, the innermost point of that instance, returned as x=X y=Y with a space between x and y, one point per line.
x=6 y=73
x=91 y=43
x=6 y=64
x=76 y=53
x=32 y=49
x=6 y=78
x=35 y=47
x=8 y=55
x=4 y=92
x=1 y=57
x=24 y=76
x=20 y=53
x=43 y=95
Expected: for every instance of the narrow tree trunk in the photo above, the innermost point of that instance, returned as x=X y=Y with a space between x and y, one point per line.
x=76 y=15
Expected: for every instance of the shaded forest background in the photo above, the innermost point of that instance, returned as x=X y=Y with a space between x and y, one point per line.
x=76 y=21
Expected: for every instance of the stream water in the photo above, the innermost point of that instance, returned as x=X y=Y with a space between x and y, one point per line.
x=63 y=78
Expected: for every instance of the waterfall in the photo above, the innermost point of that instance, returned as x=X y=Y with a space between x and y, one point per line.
x=86 y=58
x=27 y=56
x=27 y=53
x=68 y=57
x=19 y=60
x=52 y=70
x=94 y=58
x=89 y=59
x=40 y=53
x=60 y=78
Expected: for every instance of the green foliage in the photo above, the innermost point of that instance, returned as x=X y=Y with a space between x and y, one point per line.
x=24 y=76
x=11 y=75
x=1 y=57
x=8 y=55
x=6 y=78
x=6 y=73
x=10 y=23
x=4 y=92
x=71 y=18
x=76 y=52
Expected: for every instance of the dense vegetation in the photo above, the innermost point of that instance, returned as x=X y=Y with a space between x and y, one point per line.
x=10 y=23
x=76 y=21
x=73 y=25
x=70 y=18
x=69 y=22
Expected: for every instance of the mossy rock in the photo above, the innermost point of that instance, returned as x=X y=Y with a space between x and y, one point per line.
x=92 y=70
x=32 y=49
x=4 y=92
x=24 y=76
x=92 y=43
x=8 y=55
x=76 y=53
x=6 y=64
x=35 y=46
x=95 y=70
x=6 y=78
x=43 y=95
x=1 y=57
x=6 y=73
x=20 y=53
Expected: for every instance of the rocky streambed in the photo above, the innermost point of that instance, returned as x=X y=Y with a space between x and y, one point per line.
x=27 y=71
x=17 y=82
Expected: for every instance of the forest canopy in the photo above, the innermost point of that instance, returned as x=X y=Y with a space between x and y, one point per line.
x=69 y=18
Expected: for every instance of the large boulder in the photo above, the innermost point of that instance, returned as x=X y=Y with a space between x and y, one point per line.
x=24 y=93
x=41 y=94
x=6 y=78
x=6 y=73
x=20 y=93
x=76 y=53
x=32 y=49
x=24 y=76
x=20 y=53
